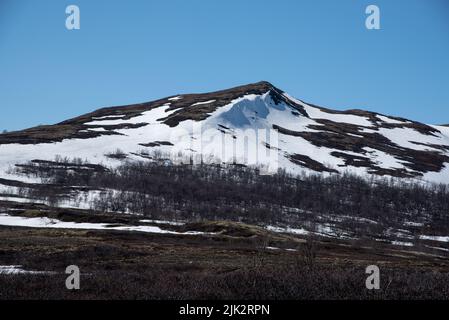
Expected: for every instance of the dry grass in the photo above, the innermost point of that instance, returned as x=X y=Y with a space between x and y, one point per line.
x=235 y=264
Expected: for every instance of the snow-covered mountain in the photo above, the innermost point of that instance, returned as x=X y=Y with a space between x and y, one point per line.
x=251 y=124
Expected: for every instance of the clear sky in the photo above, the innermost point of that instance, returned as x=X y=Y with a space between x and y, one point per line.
x=135 y=51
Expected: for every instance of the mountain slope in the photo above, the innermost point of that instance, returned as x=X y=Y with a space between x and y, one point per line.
x=251 y=124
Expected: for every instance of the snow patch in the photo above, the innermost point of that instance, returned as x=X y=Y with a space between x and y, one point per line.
x=200 y=103
x=15 y=269
x=43 y=222
x=401 y=243
x=435 y=238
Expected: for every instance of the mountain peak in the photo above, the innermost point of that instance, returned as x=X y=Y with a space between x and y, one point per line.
x=263 y=84
x=260 y=87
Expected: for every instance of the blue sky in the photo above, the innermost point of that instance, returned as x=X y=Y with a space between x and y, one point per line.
x=135 y=51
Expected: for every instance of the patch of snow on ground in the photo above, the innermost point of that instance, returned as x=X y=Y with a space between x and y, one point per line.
x=288 y=230
x=413 y=224
x=96 y=129
x=108 y=117
x=389 y=120
x=200 y=103
x=316 y=113
x=401 y=243
x=21 y=200
x=8 y=220
x=438 y=248
x=435 y=238
x=383 y=159
x=13 y=270
x=437 y=177
x=8 y=189
x=404 y=136
x=321 y=230
x=172 y=223
x=276 y=248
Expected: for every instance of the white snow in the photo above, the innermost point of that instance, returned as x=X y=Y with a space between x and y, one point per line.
x=331 y=231
x=413 y=224
x=97 y=129
x=389 y=120
x=8 y=189
x=438 y=248
x=325 y=230
x=16 y=269
x=147 y=116
x=43 y=222
x=276 y=248
x=172 y=223
x=316 y=113
x=20 y=200
x=299 y=231
x=109 y=116
x=403 y=137
x=383 y=159
x=435 y=238
x=443 y=129
x=205 y=102
x=402 y=243
x=437 y=177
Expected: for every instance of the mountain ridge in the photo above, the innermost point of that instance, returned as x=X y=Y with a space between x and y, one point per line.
x=312 y=138
x=258 y=87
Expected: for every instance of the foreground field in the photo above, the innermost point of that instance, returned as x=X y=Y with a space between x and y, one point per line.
x=221 y=260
